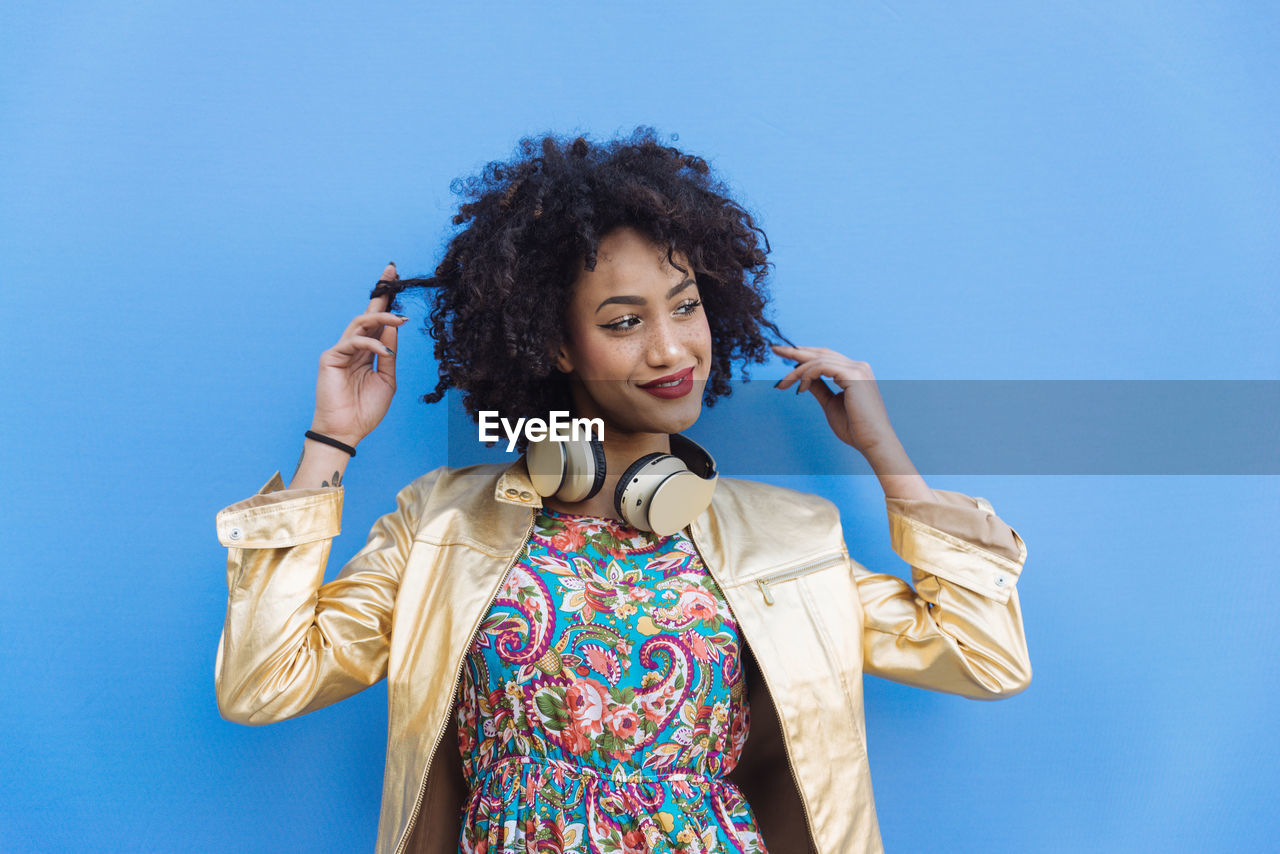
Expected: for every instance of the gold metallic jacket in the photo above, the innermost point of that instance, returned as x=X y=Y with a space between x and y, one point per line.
x=813 y=620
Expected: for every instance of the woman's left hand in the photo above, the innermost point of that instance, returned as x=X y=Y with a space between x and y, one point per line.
x=856 y=414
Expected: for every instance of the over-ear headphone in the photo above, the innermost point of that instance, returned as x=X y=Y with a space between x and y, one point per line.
x=658 y=492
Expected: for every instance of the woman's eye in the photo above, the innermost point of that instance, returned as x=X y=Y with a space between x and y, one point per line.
x=629 y=322
x=623 y=324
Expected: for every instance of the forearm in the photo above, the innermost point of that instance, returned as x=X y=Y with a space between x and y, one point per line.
x=897 y=475
x=320 y=465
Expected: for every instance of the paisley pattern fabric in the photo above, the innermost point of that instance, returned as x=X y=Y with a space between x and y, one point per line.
x=603 y=701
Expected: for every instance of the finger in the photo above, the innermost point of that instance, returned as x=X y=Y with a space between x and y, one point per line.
x=804 y=355
x=799 y=361
x=796 y=354
x=805 y=372
x=389 y=273
x=843 y=372
x=821 y=391
x=371 y=323
x=789 y=377
x=801 y=372
x=361 y=343
x=810 y=371
x=387 y=361
x=806 y=368
x=814 y=382
x=810 y=375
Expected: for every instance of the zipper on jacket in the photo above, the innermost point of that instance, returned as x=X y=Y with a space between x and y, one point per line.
x=784 y=575
x=795 y=572
x=417 y=805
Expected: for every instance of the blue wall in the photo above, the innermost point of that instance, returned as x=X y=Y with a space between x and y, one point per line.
x=198 y=197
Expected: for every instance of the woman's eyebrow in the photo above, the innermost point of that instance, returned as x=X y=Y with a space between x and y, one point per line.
x=632 y=300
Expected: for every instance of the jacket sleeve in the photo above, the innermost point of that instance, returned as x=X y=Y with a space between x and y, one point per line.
x=959 y=630
x=290 y=644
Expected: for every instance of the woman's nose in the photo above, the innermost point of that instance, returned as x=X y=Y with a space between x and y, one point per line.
x=664 y=344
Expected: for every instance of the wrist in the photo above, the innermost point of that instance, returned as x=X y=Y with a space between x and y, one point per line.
x=323 y=439
x=344 y=438
x=897 y=475
x=323 y=450
x=321 y=466
x=887 y=456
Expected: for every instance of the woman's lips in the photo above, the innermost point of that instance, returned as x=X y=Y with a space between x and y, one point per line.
x=681 y=385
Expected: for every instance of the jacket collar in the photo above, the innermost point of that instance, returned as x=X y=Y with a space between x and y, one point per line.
x=515 y=487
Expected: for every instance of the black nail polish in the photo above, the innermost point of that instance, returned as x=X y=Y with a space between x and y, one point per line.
x=778 y=383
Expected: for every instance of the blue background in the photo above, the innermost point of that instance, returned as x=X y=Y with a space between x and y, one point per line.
x=198 y=196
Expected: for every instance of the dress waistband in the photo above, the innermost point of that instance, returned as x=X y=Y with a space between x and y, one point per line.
x=617 y=775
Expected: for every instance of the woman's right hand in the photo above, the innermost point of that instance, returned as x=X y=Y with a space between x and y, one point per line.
x=352 y=395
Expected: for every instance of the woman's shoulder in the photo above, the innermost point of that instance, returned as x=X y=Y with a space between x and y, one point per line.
x=756 y=497
x=455 y=479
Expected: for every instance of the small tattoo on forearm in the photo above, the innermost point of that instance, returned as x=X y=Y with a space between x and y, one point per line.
x=337 y=479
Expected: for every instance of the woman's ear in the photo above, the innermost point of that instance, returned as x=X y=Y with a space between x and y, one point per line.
x=563 y=363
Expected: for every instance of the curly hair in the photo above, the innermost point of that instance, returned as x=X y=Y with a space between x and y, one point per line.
x=502 y=290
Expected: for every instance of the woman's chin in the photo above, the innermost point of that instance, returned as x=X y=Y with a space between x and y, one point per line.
x=674 y=419
x=663 y=418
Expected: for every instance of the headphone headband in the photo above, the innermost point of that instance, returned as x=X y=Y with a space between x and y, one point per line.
x=694 y=456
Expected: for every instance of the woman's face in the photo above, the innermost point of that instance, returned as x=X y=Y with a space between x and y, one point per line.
x=633 y=321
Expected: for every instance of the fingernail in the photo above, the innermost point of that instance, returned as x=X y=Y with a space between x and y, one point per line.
x=778 y=383
x=797 y=389
x=390 y=352
x=403 y=316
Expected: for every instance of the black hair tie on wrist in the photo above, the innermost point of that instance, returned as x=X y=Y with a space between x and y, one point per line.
x=341 y=446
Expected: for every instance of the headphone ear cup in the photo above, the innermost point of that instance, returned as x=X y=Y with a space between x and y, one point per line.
x=584 y=470
x=547 y=463
x=677 y=501
x=629 y=478
x=597 y=454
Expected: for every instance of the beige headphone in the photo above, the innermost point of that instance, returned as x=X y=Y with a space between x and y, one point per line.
x=659 y=492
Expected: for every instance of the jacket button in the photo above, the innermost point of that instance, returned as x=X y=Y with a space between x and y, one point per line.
x=512 y=491
x=526 y=496
x=1001 y=581
x=235 y=533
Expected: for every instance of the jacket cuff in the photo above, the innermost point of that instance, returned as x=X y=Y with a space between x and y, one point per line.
x=959 y=539
x=278 y=518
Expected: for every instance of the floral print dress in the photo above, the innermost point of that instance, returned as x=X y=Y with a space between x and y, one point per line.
x=603 y=700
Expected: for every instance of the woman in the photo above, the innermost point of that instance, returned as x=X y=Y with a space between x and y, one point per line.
x=564 y=674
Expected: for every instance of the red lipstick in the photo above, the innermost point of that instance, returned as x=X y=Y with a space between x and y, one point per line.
x=680 y=384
